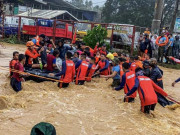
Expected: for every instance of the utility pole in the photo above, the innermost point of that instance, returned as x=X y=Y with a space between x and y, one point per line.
x=2 y=16
x=159 y=5
x=173 y=21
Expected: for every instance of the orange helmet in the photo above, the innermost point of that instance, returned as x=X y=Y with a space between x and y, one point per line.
x=115 y=54
x=29 y=43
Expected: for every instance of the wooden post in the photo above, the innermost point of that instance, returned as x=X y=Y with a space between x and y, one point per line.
x=54 y=31
x=133 y=39
x=19 y=29
x=112 y=35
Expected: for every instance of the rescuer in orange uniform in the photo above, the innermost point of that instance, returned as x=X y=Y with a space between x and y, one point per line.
x=91 y=69
x=146 y=89
x=128 y=81
x=81 y=67
x=68 y=71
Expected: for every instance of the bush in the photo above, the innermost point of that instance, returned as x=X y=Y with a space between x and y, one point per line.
x=12 y=39
x=97 y=34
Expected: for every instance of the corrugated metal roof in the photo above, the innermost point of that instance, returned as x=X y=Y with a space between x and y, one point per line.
x=47 y=14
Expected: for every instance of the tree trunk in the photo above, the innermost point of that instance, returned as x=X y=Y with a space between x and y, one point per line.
x=173 y=21
x=157 y=16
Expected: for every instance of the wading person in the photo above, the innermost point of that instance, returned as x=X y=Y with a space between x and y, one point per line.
x=146 y=89
x=128 y=81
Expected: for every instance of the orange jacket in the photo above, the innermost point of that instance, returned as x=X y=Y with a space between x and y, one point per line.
x=130 y=81
x=70 y=72
x=90 y=73
x=82 y=71
x=121 y=71
x=37 y=40
x=146 y=91
x=133 y=66
x=30 y=55
x=11 y=65
x=101 y=65
x=139 y=64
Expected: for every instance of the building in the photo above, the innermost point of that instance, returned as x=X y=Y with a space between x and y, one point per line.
x=49 y=14
x=78 y=13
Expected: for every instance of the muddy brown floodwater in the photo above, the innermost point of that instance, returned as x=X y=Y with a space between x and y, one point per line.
x=92 y=109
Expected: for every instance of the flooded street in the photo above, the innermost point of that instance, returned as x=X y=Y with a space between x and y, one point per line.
x=92 y=109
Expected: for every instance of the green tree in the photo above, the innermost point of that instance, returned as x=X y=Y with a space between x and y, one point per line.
x=97 y=34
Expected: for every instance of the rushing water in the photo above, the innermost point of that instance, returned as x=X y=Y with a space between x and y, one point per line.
x=92 y=109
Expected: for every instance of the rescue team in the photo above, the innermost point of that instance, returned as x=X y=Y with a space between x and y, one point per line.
x=128 y=73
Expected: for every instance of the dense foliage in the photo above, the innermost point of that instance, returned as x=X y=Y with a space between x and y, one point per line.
x=137 y=12
x=97 y=34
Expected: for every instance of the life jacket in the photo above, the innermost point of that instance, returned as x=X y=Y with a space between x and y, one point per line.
x=97 y=59
x=130 y=82
x=121 y=71
x=82 y=71
x=11 y=63
x=101 y=66
x=37 y=40
x=69 y=74
x=133 y=66
x=30 y=55
x=91 y=72
x=102 y=52
x=146 y=91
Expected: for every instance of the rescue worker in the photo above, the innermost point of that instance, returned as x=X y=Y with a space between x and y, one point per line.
x=128 y=81
x=13 y=61
x=146 y=68
x=115 y=73
x=156 y=73
x=103 y=66
x=68 y=71
x=156 y=76
x=81 y=67
x=31 y=54
x=146 y=89
x=121 y=61
x=38 y=39
x=102 y=49
x=91 y=69
x=138 y=62
x=132 y=64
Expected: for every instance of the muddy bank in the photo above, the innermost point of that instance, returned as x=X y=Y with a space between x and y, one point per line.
x=81 y=110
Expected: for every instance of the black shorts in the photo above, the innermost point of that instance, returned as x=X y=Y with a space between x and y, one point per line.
x=64 y=85
x=148 y=108
x=129 y=100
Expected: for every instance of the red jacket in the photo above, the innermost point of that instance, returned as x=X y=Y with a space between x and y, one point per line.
x=133 y=66
x=70 y=72
x=101 y=65
x=82 y=71
x=130 y=81
x=90 y=73
x=146 y=91
x=121 y=71
x=96 y=49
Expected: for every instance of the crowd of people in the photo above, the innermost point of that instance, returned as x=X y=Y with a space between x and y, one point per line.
x=166 y=47
x=81 y=63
